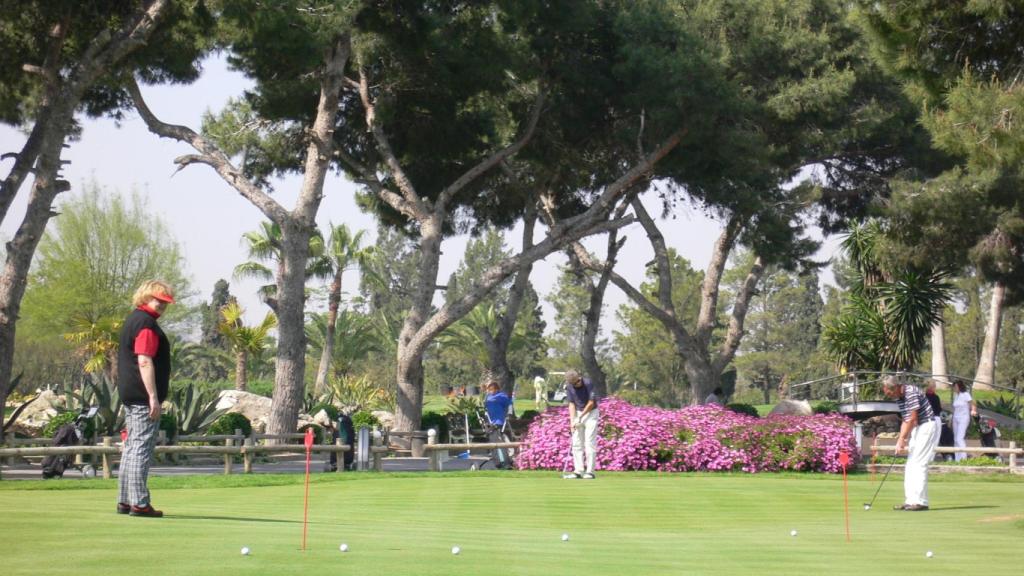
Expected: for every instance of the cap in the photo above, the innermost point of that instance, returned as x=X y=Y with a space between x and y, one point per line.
x=164 y=297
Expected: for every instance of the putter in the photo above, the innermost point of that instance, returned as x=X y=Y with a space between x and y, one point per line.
x=868 y=505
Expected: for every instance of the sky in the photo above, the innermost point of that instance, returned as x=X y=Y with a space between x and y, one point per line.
x=207 y=217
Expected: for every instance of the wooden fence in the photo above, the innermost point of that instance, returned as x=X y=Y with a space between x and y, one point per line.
x=1012 y=452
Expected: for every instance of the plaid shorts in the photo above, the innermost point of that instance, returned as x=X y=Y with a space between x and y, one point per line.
x=137 y=456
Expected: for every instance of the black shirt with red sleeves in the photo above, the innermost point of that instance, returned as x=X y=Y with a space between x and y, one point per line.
x=129 y=378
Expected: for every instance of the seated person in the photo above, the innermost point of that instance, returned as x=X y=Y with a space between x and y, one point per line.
x=497 y=404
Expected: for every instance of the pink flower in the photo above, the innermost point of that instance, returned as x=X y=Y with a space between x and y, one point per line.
x=694 y=438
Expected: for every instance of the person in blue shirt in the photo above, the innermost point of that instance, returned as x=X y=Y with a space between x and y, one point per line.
x=496 y=403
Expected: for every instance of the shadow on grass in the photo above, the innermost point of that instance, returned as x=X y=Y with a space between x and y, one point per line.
x=950 y=508
x=229 y=518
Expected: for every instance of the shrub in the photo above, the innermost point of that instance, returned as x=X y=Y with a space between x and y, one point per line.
x=228 y=423
x=365 y=418
x=65 y=418
x=263 y=388
x=169 y=424
x=436 y=421
x=318 y=432
x=741 y=408
x=332 y=411
x=704 y=437
x=528 y=415
x=637 y=397
x=826 y=407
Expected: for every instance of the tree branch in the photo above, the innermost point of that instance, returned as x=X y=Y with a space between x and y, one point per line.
x=713 y=279
x=663 y=266
x=414 y=203
x=209 y=154
x=739 y=315
x=496 y=158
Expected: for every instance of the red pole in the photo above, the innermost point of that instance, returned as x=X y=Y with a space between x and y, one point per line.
x=305 y=512
x=844 y=459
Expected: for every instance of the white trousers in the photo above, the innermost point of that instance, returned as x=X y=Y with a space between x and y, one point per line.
x=960 y=424
x=584 y=443
x=920 y=452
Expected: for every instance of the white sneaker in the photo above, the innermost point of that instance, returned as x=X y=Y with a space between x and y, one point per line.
x=570 y=476
x=588 y=476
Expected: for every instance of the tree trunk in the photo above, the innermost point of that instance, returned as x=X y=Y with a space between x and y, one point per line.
x=55 y=116
x=588 y=347
x=333 y=303
x=985 y=377
x=939 y=370
x=410 y=358
x=702 y=376
x=507 y=323
x=289 y=385
x=241 y=371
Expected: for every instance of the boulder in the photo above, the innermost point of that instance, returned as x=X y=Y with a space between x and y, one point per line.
x=37 y=415
x=387 y=419
x=253 y=406
x=793 y=408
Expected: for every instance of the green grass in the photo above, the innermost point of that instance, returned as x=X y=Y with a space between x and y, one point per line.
x=511 y=523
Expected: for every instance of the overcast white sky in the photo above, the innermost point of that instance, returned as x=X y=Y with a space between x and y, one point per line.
x=207 y=217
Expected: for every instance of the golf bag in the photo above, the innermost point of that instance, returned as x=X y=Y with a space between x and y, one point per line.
x=346 y=432
x=946 y=434
x=70 y=434
x=989 y=434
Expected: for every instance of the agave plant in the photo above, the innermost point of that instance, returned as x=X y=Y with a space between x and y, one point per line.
x=100 y=390
x=194 y=409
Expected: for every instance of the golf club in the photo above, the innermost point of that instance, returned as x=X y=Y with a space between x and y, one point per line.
x=868 y=505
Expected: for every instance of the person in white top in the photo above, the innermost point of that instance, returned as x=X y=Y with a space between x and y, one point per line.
x=964 y=409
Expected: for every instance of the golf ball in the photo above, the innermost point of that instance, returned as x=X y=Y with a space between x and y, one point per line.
x=343 y=547
x=565 y=537
x=867 y=506
x=928 y=554
x=456 y=550
x=245 y=550
x=792 y=532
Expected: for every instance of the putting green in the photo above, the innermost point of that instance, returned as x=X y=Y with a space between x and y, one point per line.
x=512 y=523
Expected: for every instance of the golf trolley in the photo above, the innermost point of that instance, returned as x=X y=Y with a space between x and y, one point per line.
x=501 y=458
x=70 y=434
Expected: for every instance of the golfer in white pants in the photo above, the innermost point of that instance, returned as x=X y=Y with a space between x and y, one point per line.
x=583 y=421
x=919 y=434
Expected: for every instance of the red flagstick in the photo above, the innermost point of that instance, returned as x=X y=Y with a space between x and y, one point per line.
x=305 y=512
x=844 y=459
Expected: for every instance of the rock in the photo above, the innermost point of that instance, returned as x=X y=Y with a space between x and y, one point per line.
x=793 y=408
x=253 y=406
x=37 y=415
x=387 y=419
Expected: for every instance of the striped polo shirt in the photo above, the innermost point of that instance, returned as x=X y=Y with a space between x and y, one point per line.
x=914 y=400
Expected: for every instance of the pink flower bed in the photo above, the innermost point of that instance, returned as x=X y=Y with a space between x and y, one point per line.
x=694 y=438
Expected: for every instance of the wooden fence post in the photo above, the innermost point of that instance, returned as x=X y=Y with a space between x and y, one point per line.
x=247 y=457
x=339 y=457
x=228 y=457
x=107 y=442
x=1013 y=456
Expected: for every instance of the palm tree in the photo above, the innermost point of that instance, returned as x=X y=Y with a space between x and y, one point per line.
x=355 y=337
x=888 y=319
x=245 y=340
x=265 y=245
x=474 y=336
x=343 y=251
x=97 y=342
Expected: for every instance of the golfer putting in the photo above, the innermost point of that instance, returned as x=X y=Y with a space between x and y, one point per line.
x=919 y=435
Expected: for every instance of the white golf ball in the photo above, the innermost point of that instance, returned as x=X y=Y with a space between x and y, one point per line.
x=792 y=532
x=456 y=550
x=928 y=554
x=867 y=506
x=245 y=550
x=343 y=547
x=565 y=537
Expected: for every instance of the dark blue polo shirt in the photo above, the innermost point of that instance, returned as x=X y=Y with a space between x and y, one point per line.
x=580 y=396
